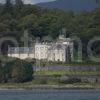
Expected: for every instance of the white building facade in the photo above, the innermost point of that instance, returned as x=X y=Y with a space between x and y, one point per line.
x=61 y=50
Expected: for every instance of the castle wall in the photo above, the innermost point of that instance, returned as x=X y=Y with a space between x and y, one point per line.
x=43 y=51
x=23 y=56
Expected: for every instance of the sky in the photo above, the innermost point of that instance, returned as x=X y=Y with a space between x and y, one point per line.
x=37 y=1
x=32 y=1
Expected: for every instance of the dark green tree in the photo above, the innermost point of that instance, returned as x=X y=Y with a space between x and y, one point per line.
x=22 y=71
x=19 y=4
x=8 y=3
x=5 y=73
x=8 y=6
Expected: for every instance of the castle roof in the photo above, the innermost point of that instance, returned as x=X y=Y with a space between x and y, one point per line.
x=21 y=50
x=57 y=47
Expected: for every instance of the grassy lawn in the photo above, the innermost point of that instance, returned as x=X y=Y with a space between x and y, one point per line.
x=63 y=72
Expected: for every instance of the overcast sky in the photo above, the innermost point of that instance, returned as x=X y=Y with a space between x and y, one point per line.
x=31 y=1
x=37 y=1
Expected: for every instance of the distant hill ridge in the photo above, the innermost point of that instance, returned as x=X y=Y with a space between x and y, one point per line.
x=74 y=5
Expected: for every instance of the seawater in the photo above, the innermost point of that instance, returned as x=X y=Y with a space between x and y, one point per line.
x=49 y=94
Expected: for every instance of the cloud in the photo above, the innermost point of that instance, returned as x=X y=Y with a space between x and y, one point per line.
x=2 y=1
x=31 y=1
x=27 y=1
x=36 y=1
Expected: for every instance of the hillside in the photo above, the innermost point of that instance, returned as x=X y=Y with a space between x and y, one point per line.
x=74 y=5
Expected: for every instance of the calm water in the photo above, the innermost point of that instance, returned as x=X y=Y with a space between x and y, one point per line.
x=50 y=95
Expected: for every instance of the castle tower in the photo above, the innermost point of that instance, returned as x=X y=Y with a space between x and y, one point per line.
x=62 y=34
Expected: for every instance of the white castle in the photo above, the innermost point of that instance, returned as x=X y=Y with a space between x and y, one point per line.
x=61 y=50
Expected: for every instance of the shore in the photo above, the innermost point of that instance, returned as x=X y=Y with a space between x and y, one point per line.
x=62 y=87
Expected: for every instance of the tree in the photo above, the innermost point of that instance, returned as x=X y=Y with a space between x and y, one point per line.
x=8 y=6
x=19 y=4
x=4 y=73
x=22 y=71
x=8 y=3
x=16 y=71
x=27 y=22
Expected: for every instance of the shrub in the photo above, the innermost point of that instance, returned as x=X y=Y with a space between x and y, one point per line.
x=84 y=80
x=53 y=81
x=39 y=81
x=70 y=81
x=2 y=74
x=5 y=73
x=20 y=71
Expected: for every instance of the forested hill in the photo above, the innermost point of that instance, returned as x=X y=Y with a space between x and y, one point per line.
x=45 y=22
x=73 y=5
x=42 y=22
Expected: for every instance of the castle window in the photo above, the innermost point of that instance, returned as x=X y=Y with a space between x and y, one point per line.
x=37 y=55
